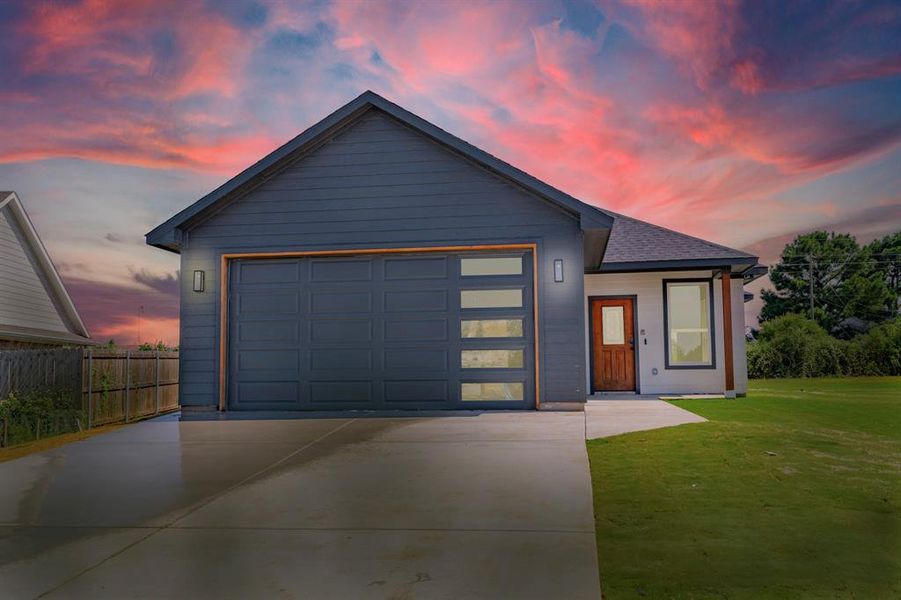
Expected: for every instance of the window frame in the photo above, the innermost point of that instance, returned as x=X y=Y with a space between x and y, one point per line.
x=710 y=316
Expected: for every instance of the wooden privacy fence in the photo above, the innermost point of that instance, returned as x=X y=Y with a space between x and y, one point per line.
x=45 y=392
x=40 y=393
x=34 y=370
x=123 y=385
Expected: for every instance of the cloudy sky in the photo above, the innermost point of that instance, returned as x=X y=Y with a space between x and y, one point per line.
x=740 y=122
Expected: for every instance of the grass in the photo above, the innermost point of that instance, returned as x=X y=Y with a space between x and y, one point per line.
x=792 y=492
x=49 y=443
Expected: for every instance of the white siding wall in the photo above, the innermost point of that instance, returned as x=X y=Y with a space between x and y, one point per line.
x=24 y=301
x=648 y=287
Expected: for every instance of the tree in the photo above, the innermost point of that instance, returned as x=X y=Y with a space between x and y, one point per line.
x=885 y=254
x=829 y=278
x=864 y=297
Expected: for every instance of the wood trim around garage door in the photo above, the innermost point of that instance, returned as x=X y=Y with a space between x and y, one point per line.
x=224 y=276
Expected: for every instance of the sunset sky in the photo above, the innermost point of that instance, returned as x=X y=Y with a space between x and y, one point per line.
x=740 y=122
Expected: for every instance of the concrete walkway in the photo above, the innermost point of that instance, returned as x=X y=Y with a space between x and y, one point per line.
x=607 y=417
x=484 y=506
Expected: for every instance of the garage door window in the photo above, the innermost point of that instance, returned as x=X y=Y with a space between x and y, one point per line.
x=491 y=359
x=494 y=265
x=490 y=298
x=491 y=328
x=491 y=391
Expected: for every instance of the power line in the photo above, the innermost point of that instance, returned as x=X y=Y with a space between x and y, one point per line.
x=836 y=262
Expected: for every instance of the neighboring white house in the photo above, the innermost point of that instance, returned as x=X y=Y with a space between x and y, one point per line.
x=35 y=309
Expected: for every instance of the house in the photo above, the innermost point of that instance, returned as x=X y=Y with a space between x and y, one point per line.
x=378 y=262
x=35 y=309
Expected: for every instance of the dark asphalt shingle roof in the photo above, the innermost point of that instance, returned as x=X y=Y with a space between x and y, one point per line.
x=632 y=240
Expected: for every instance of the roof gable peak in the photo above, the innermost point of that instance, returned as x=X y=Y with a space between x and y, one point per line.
x=168 y=234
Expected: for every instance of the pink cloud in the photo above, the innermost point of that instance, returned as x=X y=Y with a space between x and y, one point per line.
x=86 y=38
x=144 y=309
x=702 y=132
x=728 y=43
x=226 y=156
x=130 y=63
x=698 y=35
x=137 y=330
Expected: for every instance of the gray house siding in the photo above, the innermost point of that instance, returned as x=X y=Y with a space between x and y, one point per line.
x=379 y=184
x=24 y=300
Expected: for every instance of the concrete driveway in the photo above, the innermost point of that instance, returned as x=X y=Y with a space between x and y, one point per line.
x=484 y=506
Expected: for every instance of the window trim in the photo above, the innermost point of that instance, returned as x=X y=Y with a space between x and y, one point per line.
x=710 y=315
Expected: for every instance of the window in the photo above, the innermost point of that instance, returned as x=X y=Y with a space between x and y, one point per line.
x=688 y=307
x=491 y=328
x=490 y=298
x=491 y=359
x=613 y=325
x=491 y=391
x=491 y=265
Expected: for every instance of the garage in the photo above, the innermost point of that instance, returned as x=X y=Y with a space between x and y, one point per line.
x=376 y=262
x=393 y=330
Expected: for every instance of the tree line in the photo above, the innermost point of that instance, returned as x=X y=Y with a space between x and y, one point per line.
x=844 y=287
x=834 y=309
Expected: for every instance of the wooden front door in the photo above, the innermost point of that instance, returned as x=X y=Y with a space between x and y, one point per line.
x=613 y=344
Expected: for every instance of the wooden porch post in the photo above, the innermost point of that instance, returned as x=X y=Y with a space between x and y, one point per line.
x=729 y=366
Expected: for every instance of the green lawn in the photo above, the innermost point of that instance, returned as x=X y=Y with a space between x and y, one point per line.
x=792 y=492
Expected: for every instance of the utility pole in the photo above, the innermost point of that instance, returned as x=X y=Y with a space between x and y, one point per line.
x=810 y=281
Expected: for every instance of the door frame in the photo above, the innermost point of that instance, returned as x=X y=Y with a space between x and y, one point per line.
x=226 y=257
x=633 y=298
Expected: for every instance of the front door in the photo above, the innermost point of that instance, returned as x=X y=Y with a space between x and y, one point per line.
x=613 y=344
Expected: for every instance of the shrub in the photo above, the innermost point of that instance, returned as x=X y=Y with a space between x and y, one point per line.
x=879 y=349
x=26 y=416
x=161 y=346
x=793 y=346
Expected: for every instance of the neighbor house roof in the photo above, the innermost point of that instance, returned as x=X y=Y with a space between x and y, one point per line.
x=29 y=275
x=167 y=236
x=612 y=242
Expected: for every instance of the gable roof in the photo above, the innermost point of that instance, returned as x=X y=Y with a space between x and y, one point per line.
x=167 y=235
x=75 y=331
x=612 y=242
x=638 y=245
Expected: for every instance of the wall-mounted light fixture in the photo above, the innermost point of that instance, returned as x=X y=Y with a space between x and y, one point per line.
x=558 y=270
x=198 y=281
